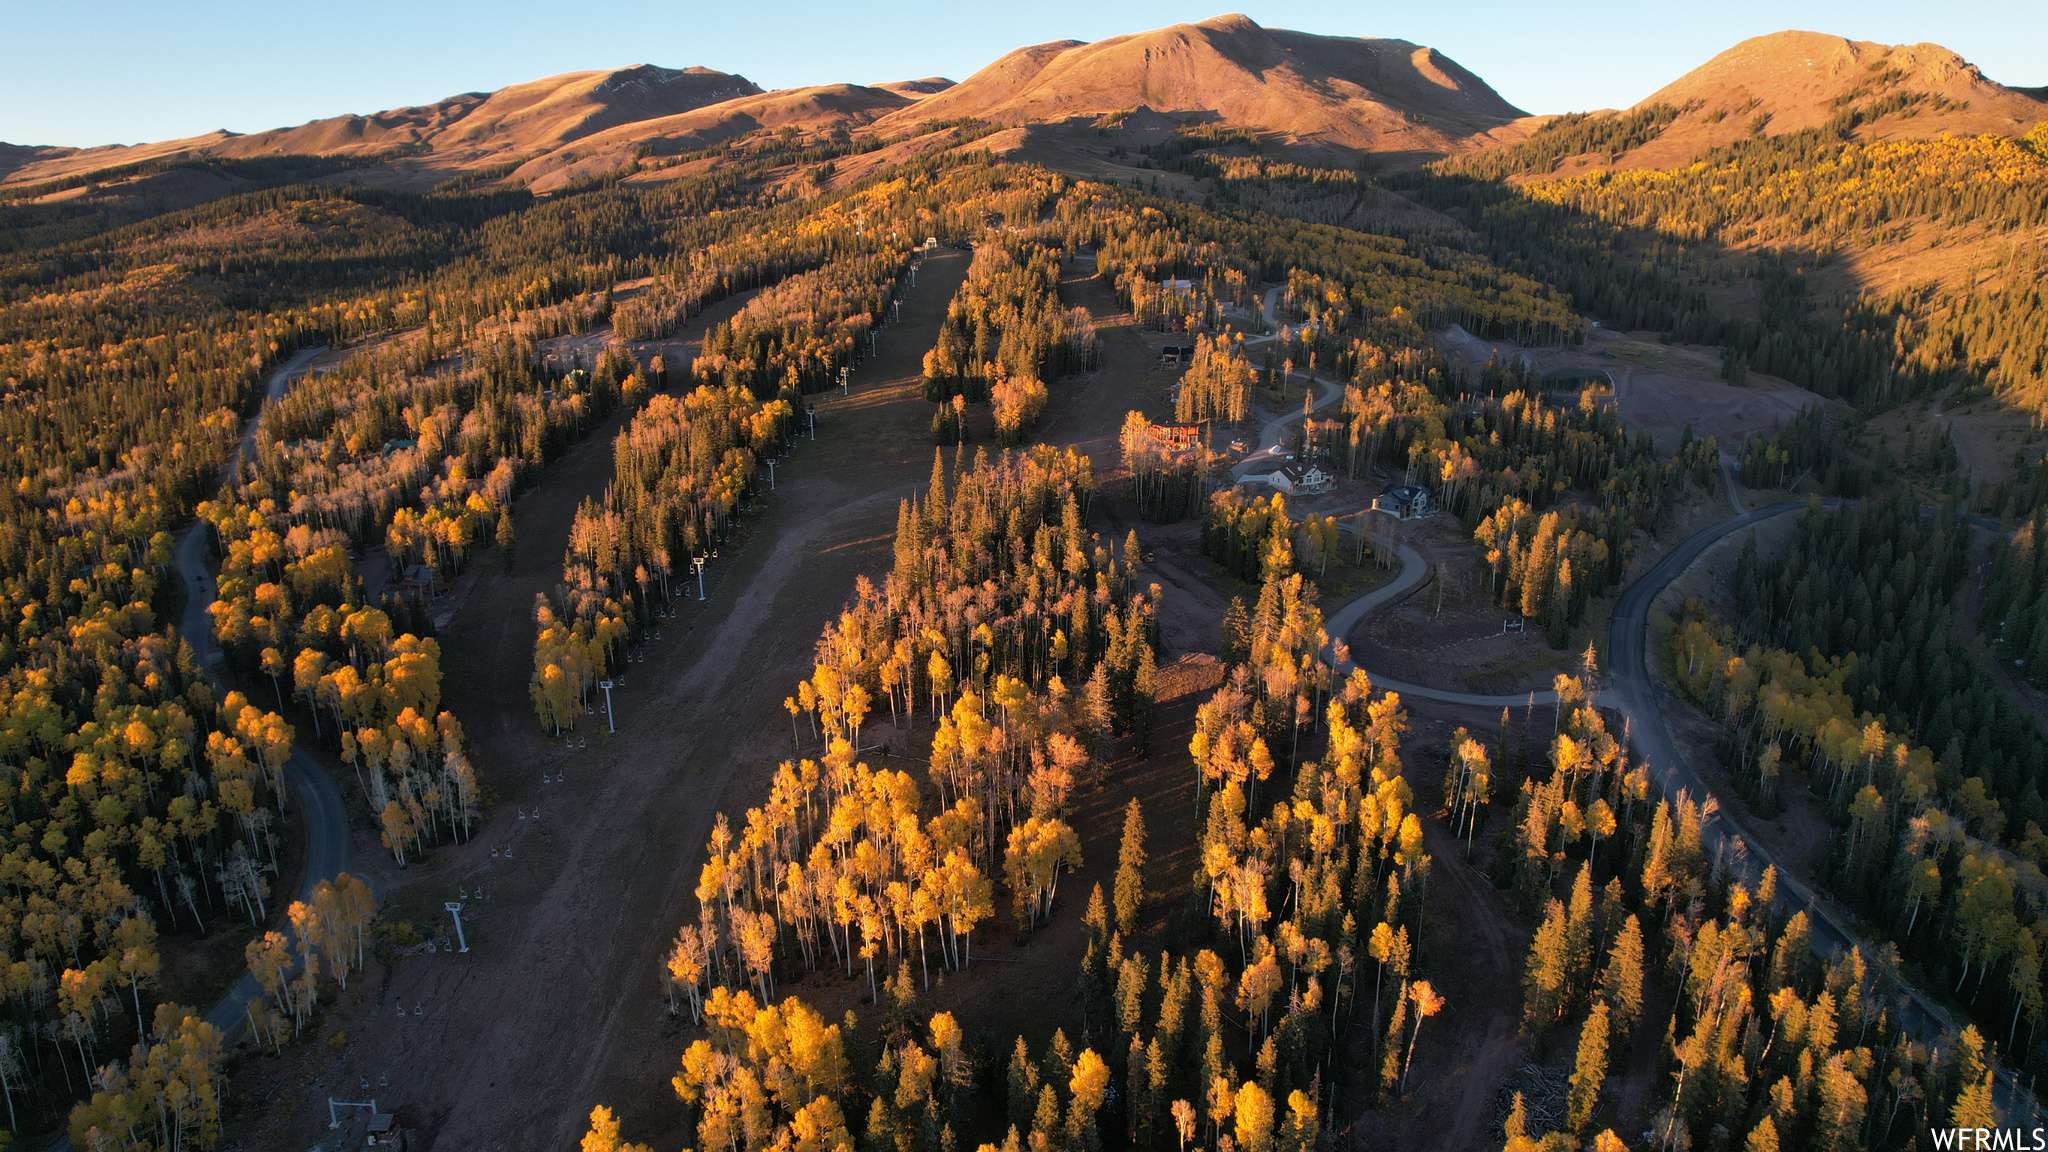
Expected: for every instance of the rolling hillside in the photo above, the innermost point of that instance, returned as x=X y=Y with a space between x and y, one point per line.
x=824 y=107
x=461 y=133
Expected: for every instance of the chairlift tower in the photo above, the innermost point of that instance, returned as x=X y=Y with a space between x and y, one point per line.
x=697 y=562
x=610 y=727
x=454 y=908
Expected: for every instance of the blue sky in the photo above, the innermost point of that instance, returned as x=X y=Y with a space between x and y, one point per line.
x=84 y=72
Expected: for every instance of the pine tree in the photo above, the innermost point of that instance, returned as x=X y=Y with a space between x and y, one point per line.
x=1237 y=631
x=1129 y=886
x=1839 y=1119
x=1621 y=981
x=1143 y=690
x=1588 y=1071
x=1657 y=877
x=1973 y=1107
x=1022 y=1089
x=1543 y=982
x=1097 y=706
x=1578 y=934
x=1130 y=994
x=1516 y=1126
x=1390 y=1047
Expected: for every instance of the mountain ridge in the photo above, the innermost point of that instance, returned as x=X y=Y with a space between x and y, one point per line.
x=1346 y=96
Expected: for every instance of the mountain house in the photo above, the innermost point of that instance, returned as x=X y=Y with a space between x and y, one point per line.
x=1404 y=502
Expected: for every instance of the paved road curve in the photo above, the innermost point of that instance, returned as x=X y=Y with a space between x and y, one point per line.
x=1414 y=569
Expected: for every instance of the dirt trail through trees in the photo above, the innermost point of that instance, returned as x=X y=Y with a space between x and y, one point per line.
x=590 y=856
x=1491 y=993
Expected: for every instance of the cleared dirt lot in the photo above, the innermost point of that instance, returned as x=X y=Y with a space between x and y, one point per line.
x=1449 y=632
x=1660 y=388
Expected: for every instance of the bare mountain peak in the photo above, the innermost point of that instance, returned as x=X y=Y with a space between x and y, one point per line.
x=1807 y=76
x=1294 y=87
x=1795 y=81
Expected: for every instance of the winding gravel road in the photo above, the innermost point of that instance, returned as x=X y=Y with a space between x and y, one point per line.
x=1273 y=433
x=312 y=789
x=1631 y=692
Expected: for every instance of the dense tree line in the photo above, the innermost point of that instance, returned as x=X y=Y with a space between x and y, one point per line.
x=131 y=339
x=682 y=470
x=1217 y=384
x=776 y=246
x=1939 y=843
x=1561 y=138
x=1143 y=243
x=993 y=609
x=1311 y=868
x=419 y=448
x=1916 y=849
x=797 y=334
x=1882 y=583
x=1312 y=861
x=1762 y=1044
x=1254 y=537
x=2015 y=611
x=1004 y=335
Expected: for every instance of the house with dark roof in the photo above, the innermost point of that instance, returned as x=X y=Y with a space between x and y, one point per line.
x=1405 y=502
